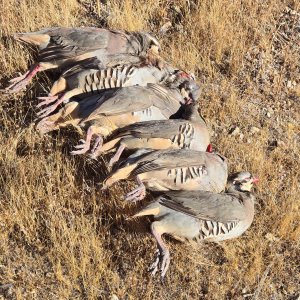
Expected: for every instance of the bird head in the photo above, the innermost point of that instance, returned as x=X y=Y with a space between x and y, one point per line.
x=243 y=181
x=188 y=87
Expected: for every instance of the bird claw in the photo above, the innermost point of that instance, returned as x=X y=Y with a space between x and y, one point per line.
x=19 y=78
x=154 y=266
x=162 y=262
x=44 y=126
x=82 y=148
x=97 y=145
x=79 y=146
x=137 y=194
x=47 y=111
x=18 y=83
x=47 y=100
x=112 y=161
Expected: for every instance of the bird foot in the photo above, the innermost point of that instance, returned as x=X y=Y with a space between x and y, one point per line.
x=45 y=126
x=137 y=194
x=48 y=110
x=113 y=160
x=117 y=156
x=83 y=148
x=97 y=145
x=162 y=262
x=47 y=100
x=20 y=82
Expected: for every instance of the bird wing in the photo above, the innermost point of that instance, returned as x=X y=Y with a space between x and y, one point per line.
x=224 y=207
x=152 y=129
x=169 y=159
x=92 y=63
x=122 y=100
x=70 y=42
x=166 y=99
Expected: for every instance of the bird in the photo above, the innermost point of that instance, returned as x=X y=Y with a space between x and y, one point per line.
x=172 y=169
x=119 y=107
x=124 y=106
x=200 y=215
x=61 y=47
x=188 y=132
x=90 y=79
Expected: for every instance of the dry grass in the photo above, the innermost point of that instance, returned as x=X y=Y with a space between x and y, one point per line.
x=62 y=239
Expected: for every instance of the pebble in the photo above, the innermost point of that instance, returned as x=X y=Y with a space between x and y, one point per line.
x=235 y=130
x=165 y=27
x=254 y=130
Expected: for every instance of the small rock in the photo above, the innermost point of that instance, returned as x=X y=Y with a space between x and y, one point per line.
x=165 y=27
x=268 y=114
x=270 y=237
x=113 y=297
x=289 y=84
x=254 y=130
x=234 y=131
x=241 y=136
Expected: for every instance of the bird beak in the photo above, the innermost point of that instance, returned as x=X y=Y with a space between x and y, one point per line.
x=184 y=75
x=255 y=180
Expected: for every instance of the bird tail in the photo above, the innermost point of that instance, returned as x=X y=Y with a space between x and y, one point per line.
x=152 y=209
x=110 y=145
x=122 y=173
x=33 y=38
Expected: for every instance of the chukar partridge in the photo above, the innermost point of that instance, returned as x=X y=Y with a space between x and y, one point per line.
x=175 y=169
x=128 y=105
x=200 y=215
x=91 y=80
x=189 y=132
x=62 y=48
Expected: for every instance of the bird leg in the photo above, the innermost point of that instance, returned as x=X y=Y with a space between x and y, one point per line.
x=98 y=144
x=86 y=144
x=162 y=253
x=137 y=194
x=117 y=156
x=46 y=111
x=20 y=82
x=62 y=98
x=45 y=126
x=47 y=100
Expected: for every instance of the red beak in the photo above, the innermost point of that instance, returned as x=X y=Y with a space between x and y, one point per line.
x=255 y=180
x=184 y=75
x=209 y=148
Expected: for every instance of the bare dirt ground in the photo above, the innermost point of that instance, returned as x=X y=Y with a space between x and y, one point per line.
x=62 y=239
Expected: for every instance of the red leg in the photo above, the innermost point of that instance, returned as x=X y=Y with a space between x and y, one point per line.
x=45 y=126
x=98 y=144
x=46 y=111
x=47 y=100
x=86 y=144
x=20 y=82
x=117 y=156
x=163 y=254
x=137 y=194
